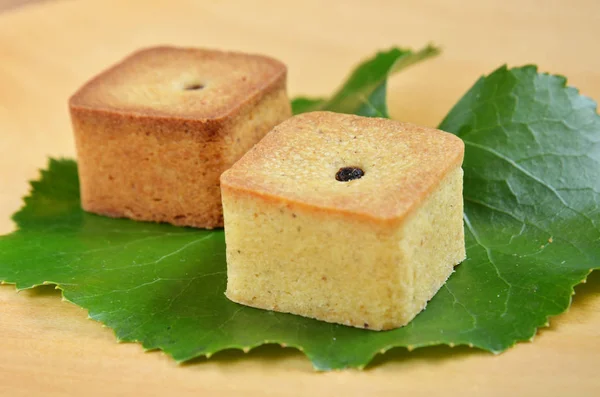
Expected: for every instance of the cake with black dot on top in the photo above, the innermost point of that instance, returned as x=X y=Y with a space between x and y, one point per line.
x=154 y=132
x=345 y=219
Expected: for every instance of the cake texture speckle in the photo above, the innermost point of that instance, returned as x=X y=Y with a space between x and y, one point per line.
x=345 y=219
x=155 y=132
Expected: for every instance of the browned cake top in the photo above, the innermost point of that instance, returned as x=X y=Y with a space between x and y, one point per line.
x=181 y=82
x=300 y=161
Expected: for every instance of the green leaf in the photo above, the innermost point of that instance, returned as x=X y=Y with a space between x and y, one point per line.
x=531 y=211
x=365 y=91
x=532 y=195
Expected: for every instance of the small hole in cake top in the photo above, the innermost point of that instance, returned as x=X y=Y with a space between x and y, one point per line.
x=346 y=174
x=194 y=87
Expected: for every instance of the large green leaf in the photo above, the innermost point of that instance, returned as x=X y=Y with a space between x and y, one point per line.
x=531 y=211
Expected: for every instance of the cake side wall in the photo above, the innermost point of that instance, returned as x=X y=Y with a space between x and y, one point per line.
x=254 y=121
x=433 y=238
x=160 y=170
x=334 y=268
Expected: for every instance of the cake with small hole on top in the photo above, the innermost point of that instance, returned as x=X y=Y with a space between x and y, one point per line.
x=155 y=132
x=345 y=219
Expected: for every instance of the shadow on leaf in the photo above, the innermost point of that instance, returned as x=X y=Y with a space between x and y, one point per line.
x=272 y=353
x=42 y=291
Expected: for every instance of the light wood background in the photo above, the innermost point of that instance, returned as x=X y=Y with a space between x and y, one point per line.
x=47 y=50
x=11 y=4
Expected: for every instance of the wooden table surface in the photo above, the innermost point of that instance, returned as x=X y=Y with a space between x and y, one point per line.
x=47 y=50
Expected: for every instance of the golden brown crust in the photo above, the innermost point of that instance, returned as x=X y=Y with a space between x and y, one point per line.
x=152 y=82
x=155 y=170
x=147 y=159
x=296 y=163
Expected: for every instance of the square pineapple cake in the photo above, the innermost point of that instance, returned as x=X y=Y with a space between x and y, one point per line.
x=345 y=219
x=155 y=132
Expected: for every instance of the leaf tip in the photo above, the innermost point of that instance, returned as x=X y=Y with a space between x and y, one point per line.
x=246 y=349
